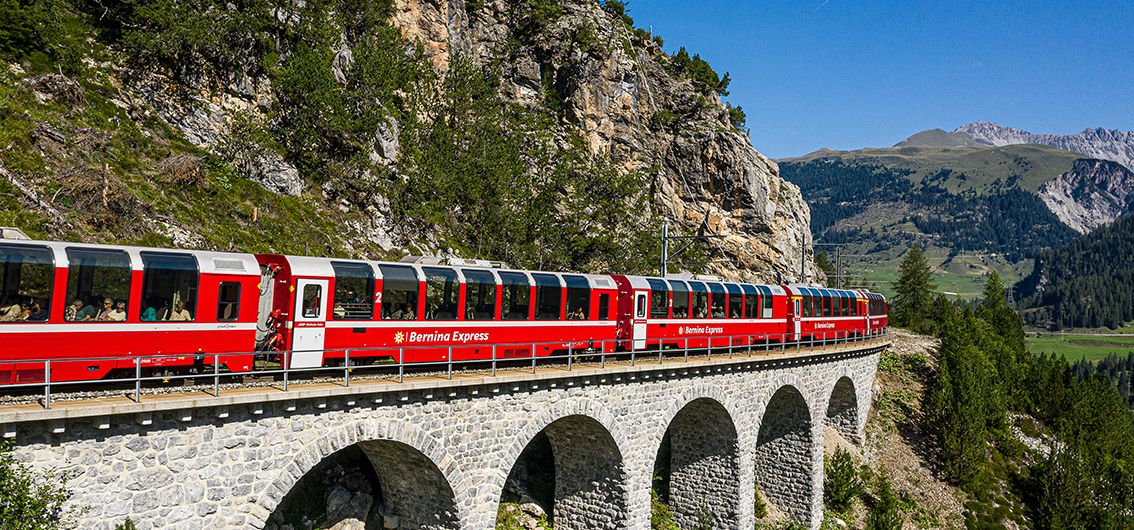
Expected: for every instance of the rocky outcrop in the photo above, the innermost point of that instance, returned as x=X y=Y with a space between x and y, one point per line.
x=620 y=95
x=1105 y=144
x=1093 y=193
x=614 y=89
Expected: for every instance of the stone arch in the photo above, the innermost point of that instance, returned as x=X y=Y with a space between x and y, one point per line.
x=704 y=465
x=784 y=455
x=415 y=473
x=842 y=409
x=591 y=480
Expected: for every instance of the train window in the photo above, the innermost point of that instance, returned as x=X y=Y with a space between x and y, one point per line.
x=751 y=302
x=93 y=278
x=717 y=305
x=827 y=305
x=27 y=275
x=752 y=306
x=604 y=306
x=354 y=285
x=769 y=300
x=846 y=306
x=807 y=305
x=312 y=300
x=735 y=301
x=659 y=299
x=515 y=295
x=228 y=302
x=169 y=287
x=578 y=298
x=399 y=292
x=480 y=295
x=700 y=299
x=547 y=296
x=680 y=299
x=441 y=292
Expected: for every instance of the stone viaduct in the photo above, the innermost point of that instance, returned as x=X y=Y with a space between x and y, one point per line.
x=442 y=449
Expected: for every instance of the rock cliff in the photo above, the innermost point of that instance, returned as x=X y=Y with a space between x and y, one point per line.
x=1093 y=193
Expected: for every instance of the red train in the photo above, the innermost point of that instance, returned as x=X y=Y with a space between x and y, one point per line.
x=176 y=309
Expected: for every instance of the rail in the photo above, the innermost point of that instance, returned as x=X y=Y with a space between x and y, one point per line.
x=395 y=366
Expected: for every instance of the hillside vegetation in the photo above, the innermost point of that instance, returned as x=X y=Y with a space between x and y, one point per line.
x=327 y=128
x=1086 y=283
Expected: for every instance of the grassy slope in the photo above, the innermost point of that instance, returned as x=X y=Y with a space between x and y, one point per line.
x=1033 y=164
x=963 y=275
x=1075 y=346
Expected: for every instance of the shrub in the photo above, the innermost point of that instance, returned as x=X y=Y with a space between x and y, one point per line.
x=28 y=500
x=842 y=483
x=884 y=514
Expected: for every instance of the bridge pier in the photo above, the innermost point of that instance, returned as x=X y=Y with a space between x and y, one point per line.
x=442 y=450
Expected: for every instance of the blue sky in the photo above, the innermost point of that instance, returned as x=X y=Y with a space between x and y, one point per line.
x=848 y=74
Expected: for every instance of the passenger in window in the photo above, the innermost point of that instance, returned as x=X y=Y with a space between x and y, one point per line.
x=702 y=311
x=10 y=312
x=406 y=312
x=179 y=313
x=104 y=313
x=577 y=314
x=88 y=312
x=149 y=315
x=339 y=311
x=38 y=313
x=119 y=313
x=71 y=313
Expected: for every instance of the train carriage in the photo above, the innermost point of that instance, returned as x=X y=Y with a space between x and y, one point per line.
x=699 y=313
x=429 y=309
x=828 y=314
x=61 y=301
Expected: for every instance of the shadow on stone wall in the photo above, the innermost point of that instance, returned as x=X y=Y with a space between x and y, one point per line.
x=783 y=454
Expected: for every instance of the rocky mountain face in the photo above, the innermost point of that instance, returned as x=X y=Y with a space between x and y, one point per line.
x=1104 y=144
x=628 y=106
x=1092 y=194
x=334 y=122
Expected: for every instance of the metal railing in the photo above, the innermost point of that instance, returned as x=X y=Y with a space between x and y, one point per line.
x=390 y=362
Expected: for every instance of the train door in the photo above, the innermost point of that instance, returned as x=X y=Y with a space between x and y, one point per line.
x=310 y=324
x=797 y=321
x=640 y=309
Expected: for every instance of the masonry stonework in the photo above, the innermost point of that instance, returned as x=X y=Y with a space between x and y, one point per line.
x=442 y=454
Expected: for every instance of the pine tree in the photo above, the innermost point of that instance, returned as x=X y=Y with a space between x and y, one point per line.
x=884 y=514
x=993 y=297
x=914 y=288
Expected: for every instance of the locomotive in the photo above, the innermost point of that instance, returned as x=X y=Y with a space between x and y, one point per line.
x=94 y=310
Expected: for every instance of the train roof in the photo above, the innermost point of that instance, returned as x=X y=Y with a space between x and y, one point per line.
x=319 y=266
x=643 y=282
x=207 y=261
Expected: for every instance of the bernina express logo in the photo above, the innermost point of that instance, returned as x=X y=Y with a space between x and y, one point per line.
x=414 y=337
x=699 y=330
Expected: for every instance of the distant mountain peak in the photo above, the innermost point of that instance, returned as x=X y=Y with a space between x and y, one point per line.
x=941 y=138
x=1099 y=142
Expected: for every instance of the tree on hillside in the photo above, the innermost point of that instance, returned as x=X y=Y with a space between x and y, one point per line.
x=823 y=262
x=993 y=296
x=914 y=290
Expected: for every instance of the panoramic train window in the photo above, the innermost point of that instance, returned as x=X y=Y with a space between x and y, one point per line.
x=399 y=292
x=480 y=295
x=169 y=287
x=312 y=300
x=228 y=302
x=515 y=294
x=680 y=299
x=659 y=299
x=769 y=302
x=26 y=278
x=717 y=306
x=441 y=292
x=827 y=304
x=751 y=302
x=354 y=283
x=578 y=298
x=547 y=297
x=97 y=280
x=604 y=307
x=735 y=301
x=806 y=305
x=700 y=299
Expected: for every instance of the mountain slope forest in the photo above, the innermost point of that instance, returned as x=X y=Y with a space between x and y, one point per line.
x=1085 y=284
x=978 y=204
x=545 y=134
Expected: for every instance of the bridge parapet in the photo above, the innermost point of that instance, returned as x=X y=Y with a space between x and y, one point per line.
x=443 y=448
